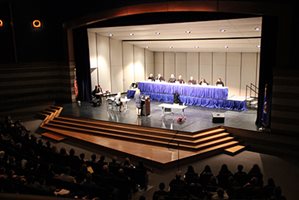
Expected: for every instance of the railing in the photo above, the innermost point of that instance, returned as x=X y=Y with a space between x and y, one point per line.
x=252 y=88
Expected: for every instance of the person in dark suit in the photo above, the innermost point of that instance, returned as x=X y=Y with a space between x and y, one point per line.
x=180 y=79
x=203 y=82
x=192 y=81
x=172 y=79
x=219 y=82
x=176 y=98
x=160 y=78
x=151 y=77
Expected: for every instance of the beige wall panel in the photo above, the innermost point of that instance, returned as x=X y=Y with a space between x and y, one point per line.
x=192 y=66
x=169 y=64
x=104 y=62
x=128 y=65
x=92 y=44
x=233 y=79
x=139 y=66
x=159 y=63
x=205 y=66
x=116 y=66
x=219 y=67
x=181 y=65
x=248 y=70
x=149 y=63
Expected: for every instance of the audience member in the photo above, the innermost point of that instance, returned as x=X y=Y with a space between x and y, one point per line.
x=161 y=193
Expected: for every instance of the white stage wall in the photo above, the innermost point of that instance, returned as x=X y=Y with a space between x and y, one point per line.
x=120 y=63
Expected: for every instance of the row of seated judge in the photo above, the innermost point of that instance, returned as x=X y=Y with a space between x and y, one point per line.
x=180 y=80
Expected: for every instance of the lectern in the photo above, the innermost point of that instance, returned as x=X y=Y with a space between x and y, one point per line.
x=146 y=110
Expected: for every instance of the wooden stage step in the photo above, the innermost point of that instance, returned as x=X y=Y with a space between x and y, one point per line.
x=53 y=136
x=147 y=135
x=234 y=150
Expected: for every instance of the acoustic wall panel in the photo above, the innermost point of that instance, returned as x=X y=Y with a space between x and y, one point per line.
x=219 y=67
x=103 y=50
x=192 y=66
x=128 y=65
x=233 y=78
x=181 y=65
x=116 y=65
x=169 y=64
x=205 y=66
x=139 y=64
x=149 y=63
x=92 y=49
x=248 y=70
x=159 y=63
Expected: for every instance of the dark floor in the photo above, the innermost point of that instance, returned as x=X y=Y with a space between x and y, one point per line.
x=197 y=118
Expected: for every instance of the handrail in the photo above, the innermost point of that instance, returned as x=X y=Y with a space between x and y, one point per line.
x=251 y=88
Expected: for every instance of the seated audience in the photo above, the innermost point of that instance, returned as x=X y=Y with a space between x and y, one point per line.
x=203 y=82
x=223 y=176
x=172 y=79
x=240 y=176
x=161 y=193
x=192 y=81
x=180 y=79
x=160 y=78
x=219 y=82
x=151 y=77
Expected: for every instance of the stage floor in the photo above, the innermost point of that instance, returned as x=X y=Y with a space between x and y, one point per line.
x=197 y=118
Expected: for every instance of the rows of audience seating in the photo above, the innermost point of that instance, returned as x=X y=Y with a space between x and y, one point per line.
x=223 y=185
x=30 y=165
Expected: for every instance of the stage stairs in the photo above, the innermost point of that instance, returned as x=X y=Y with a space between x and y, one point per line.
x=210 y=140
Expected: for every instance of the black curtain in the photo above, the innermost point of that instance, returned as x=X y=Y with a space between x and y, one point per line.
x=267 y=63
x=82 y=64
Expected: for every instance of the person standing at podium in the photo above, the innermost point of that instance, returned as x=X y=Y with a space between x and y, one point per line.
x=138 y=102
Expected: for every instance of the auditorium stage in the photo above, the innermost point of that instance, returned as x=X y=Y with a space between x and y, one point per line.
x=197 y=119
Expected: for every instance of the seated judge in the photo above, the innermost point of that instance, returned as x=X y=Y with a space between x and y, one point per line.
x=180 y=79
x=192 y=81
x=151 y=77
x=172 y=79
x=160 y=78
x=219 y=82
x=203 y=82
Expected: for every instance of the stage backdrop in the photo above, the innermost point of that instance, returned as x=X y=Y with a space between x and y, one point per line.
x=120 y=63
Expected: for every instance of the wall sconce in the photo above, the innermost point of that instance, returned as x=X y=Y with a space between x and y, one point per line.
x=36 y=24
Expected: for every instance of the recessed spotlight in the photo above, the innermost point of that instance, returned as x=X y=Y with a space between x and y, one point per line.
x=257 y=29
x=147 y=47
x=131 y=34
x=1 y=23
x=196 y=47
x=36 y=24
x=258 y=46
x=171 y=47
x=158 y=33
x=222 y=30
x=226 y=46
x=188 y=32
x=110 y=34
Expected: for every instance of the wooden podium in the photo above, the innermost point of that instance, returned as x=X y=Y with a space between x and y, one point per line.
x=146 y=109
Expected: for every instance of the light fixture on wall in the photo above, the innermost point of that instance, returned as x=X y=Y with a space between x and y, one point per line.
x=1 y=23
x=36 y=24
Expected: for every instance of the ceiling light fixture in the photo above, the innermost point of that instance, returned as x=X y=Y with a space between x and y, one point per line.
x=171 y=47
x=36 y=24
x=226 y=46
x=158 y=33
x=147 y=47
x=258 y=46
x=1 y=23
x=257 y=29
x=131 y=34
x=188 y=32
x=110 y=34
x=196 y=47
x=222 y=30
